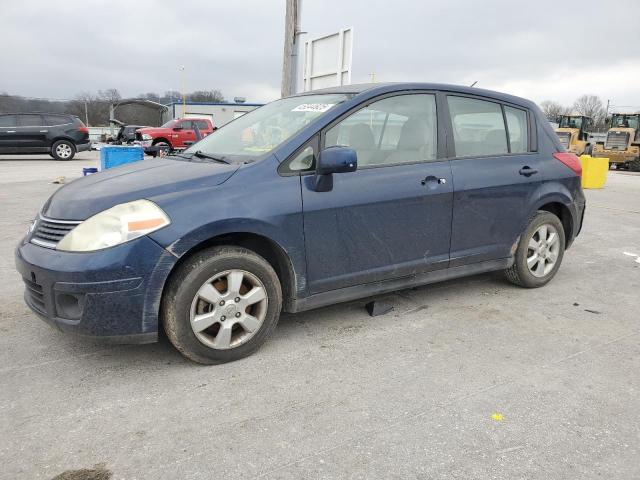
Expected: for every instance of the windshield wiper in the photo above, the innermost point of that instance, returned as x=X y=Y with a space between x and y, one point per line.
x=201 y=154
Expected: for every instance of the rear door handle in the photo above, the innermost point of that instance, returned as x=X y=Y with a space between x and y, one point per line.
x=431 y=179
x=11 y=131
x=44 y=131
x=527 y=171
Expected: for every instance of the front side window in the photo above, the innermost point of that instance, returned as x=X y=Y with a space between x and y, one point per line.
x=29 y=120
x=400 y=129
x=202 y=125
x=8 y=121
x=260 y=131
x=186 y=125
x=478 y=127
x=518 y=131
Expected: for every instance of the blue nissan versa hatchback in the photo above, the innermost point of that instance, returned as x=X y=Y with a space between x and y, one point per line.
x=311 y=200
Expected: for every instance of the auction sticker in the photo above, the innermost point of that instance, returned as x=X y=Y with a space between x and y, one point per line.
x=313 y=107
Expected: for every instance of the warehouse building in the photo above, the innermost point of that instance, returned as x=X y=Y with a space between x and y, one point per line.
x=218 y=113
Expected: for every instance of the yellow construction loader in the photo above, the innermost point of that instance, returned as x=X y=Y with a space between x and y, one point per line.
x=622 y=145
x=573 y=132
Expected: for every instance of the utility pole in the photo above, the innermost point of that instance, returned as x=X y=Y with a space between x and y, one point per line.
x=290 y=54
x=183 y=87
x=86 y=114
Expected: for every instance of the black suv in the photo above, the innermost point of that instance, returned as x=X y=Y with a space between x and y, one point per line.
x=59 y=135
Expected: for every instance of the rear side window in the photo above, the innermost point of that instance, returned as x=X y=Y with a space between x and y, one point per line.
x=8 y=121
x=517 y=125
x=52 y=120
x=29 y=120
x=478 y=127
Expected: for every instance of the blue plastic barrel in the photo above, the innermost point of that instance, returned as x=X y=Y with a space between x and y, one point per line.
x=116 y=155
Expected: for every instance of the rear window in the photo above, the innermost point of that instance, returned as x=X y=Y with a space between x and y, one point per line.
x=52 y=120
x=478 y=127
x=8 y=121
x=30 y=120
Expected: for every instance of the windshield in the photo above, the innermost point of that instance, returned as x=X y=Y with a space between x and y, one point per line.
x=169 y=124
x=263 y=129
x=571 y=122
x=624 y=121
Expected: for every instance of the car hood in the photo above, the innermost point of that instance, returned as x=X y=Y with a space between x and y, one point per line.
x=152 y=130
x=92 y=194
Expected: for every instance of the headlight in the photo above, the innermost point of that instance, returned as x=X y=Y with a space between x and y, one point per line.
x=146 y=136
x=116 y=225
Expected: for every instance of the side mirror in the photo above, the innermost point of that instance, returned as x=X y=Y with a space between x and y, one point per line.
x=337 y=160
x=333 y=160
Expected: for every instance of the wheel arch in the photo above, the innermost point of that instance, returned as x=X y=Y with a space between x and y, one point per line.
x=162 y=139
x=564 y=213
x=264 y=246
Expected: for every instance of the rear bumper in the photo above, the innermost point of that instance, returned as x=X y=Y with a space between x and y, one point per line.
x=83 y=147
x=113 y=294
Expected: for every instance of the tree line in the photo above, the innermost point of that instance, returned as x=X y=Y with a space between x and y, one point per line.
x=587 y=105
x=93 y=108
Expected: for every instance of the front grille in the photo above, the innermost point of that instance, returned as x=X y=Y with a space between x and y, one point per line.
x=35 y=294
x=617 y=141
x=564 y=139
x=49 y=232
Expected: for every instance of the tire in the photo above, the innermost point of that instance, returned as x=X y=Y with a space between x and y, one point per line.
x=63 y=150
x=230 y=326
x=634 y=165
x=163 y=145
x=520 y=272
x=588 y=150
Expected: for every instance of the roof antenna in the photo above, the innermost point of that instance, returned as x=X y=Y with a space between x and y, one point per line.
x=473 y=84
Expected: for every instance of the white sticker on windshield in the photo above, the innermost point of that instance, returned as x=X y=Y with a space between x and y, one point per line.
x=313 y=107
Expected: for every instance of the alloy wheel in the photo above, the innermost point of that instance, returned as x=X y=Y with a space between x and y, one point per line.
x=228 y=309
x=63 y=150
x=543 y=250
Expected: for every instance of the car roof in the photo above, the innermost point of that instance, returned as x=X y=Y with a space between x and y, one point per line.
x=372 y=89
x=40 y=113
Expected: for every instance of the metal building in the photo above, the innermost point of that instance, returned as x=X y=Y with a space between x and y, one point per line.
x=219 y=113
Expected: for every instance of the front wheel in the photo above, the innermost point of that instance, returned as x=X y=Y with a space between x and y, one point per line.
x=63 y=150
x=221 y=304
x=539 y=253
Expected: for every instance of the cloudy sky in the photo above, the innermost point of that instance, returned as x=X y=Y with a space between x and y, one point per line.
x=537 y=49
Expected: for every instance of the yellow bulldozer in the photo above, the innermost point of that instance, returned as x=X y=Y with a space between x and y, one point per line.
x=573 y=132
x=622 y=144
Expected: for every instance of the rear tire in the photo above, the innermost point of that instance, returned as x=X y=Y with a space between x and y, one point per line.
x=221 y=305
x=539 y=253
x=63 y=150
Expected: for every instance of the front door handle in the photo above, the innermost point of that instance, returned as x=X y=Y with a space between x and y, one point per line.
x=527 y=171
x=11 y=131
x=433 y=180
x=44 y=131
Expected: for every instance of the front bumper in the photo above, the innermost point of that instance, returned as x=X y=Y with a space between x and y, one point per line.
x=614 y=156
x=112 y=294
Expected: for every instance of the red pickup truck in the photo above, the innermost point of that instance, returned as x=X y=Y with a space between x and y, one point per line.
x=175 y=134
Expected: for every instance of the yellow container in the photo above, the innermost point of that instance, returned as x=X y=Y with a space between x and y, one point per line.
x=594 y=171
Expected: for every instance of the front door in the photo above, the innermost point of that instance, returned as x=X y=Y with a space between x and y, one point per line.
x=8 y=124
x=392 y=217
x=495 y=176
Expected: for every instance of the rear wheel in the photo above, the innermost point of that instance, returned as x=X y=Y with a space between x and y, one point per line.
x=221 y=305
x=63 y=150
x=540 y=252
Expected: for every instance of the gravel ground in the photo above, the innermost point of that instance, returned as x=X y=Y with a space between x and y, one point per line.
x=466 y=379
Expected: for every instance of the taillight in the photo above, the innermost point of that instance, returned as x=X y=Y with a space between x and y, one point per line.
x=83 y=129
x=570 y=160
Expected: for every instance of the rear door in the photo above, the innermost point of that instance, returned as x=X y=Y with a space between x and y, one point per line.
x=31 y=132
x=390 y=218
x=8 y=124
x=495 y=174
x=187 y=134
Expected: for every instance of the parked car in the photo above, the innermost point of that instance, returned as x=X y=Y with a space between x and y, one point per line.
x=175 y=134
x=311 y=200
x=59 y=135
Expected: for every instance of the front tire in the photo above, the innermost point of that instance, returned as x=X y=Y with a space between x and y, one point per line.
x=63 y=150
x=221 y=305
x=539 y=253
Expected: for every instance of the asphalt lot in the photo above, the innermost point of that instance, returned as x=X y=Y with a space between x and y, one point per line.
x=468 y=379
